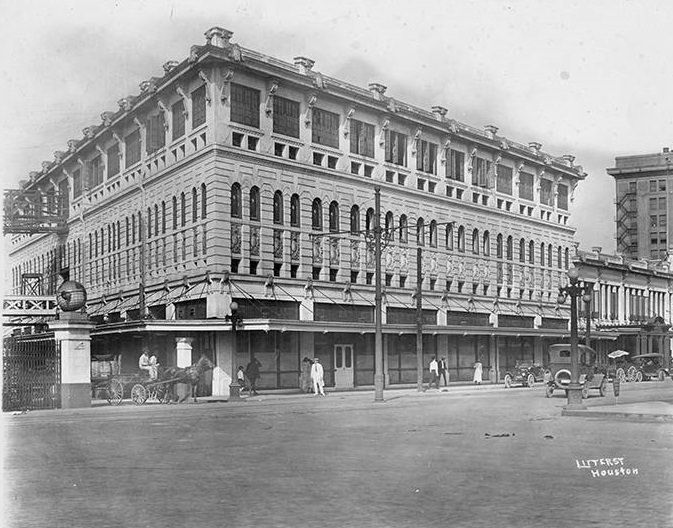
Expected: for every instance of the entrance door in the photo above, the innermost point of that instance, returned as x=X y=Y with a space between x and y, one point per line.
x=343 y=366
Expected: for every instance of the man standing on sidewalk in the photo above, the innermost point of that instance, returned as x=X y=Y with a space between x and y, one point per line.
x=434 y=373
x=442 y=370
x=317 y=374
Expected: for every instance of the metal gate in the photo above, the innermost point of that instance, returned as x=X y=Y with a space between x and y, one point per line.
x=31 y=372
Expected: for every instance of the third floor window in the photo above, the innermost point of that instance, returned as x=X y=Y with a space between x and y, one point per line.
x=546 y=197
x=199 y=106
x=562 y=200
x=132 y=142
x=178 y=119
x=325 y=128
x=504 y=180
x=113 y=160
x=94 y=172
x=155 y=137
x=244 y=105
x=362 y=138
x=426 y=157
x=455 y=168
x=285 y=117
x=396 y=148
x=526 y=186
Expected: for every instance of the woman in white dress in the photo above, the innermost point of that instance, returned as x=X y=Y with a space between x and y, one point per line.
x=478 y=370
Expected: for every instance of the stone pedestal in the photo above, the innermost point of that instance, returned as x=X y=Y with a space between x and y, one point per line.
x=73 y=331
x=183 y=349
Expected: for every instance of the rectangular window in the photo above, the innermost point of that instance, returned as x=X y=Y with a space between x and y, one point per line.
x=285 y=117
x=244 y=105
x=632 y=187
x=653 y=204
x=64 y=192
x=396 y=148
x=662 y=221
x=455 y=168
x=155 y=133
x=562 y=201
x=362 y=138
x=94 y=172
x=662 y=204
x=526 y=186
x=325 y=128
x=426 y=157
x=76 y=183
x=662 y=185
x=545 y=192
x=178 y=119
x=481 y=172
x=653 y=185
x=504 y=180
x=132 y=142
x=113 y=160
x=199 y=106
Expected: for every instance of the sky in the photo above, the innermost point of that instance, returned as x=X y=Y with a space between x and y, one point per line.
x=588 y=78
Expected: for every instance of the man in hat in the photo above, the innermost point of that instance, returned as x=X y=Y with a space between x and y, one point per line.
x=144 y=361
x=317 y=377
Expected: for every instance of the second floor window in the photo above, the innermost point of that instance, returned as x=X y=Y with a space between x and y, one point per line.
x=545 y=192
x=504 y=180
x=199 y=106
x=254 y=204
x=278 y=208
x=236 y=209
x=362 y=138
x=178 y=119
x=426 y=157
x=295 y=211
x=455 y=168
x=325 y=128
x=396 y=148
x=113 y=160
x=244 y=105
x=285 y=117
x=155 y=137
x=132 y=142
x=526 y=186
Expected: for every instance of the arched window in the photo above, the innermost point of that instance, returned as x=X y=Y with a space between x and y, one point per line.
x=278 y=208
x=175 y=212
x=204 y=205
x=522 y=250
x=195 y=205
x=449 y=236
x=510 y=248
x=355 y=220
x=183 y=209
x=102 y=238
x=475 y=241
x=531 y=252
x=550 y=257
x=133 y=230
x=461 y=239
x=254 y=204
x=542 y=254
x=334 y=217
x=149 y=222
x=295 y=211
x=390 y=227
x=404 y=229
x=236 y=209
x=559 y=259
x=156 y=219
x=433 y=233
x=498 y=246
x=487 y=244
x=128 y=233
x=420 y=232
x=567 y=258
x=163 y=218
x=369 y=221
x=316 y=215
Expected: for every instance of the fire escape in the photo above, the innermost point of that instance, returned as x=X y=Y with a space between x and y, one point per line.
x=627 y=227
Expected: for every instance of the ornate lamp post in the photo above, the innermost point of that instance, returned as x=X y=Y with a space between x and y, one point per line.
x=236 y=320
x=574 y=290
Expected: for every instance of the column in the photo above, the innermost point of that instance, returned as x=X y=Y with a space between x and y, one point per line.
x=222 y=375
x=621 y=312
x=73 y=332
x=627 y=304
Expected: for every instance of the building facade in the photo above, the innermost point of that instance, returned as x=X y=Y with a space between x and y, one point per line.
x=644 y=223
x=241 y=177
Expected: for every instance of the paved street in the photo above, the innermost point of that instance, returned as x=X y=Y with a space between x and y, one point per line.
x=467 y=457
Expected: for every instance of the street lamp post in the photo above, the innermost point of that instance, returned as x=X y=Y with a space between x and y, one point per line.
x=573 y=290
x=236 y=320
x=378 y=331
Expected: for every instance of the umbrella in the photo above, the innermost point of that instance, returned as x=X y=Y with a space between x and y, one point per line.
x=618 y=353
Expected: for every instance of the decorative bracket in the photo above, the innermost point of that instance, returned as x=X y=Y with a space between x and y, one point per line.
x=445 y=151
x=384 y=128
x=226 y=84
x=206 y=80
x=273 y=88
x=417 y=138
x=185 y=100
x=347 y=121
x=311 y=100
x=164 y=109
x=138 y=123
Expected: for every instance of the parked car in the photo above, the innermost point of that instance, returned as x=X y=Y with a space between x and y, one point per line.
x=590 y=376
x=526 y=373
x=648 y=366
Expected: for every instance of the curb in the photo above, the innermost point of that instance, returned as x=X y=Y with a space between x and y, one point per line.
x=623 y=416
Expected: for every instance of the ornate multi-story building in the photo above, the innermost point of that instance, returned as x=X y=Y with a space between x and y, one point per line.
x=644 y=223
x=239 y=176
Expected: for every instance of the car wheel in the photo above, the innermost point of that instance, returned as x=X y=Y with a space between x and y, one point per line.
x=585 y=391
x=530 y=381
x=661 y=375
x=549 y=391
x=639 y=376
x=631 y=373
x=621 y=375
x=508 y=381
x=603 y=387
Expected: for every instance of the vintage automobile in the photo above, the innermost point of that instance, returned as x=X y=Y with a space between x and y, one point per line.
x=647 y=367
x=590 y=376
x=526 y=373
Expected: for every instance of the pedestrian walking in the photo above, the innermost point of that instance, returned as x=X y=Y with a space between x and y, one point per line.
x=305 y=376
x=317 y=377
x=240 y=377
x=434 y=371
x=252 y=373
x=478 y=371
x=443 y=371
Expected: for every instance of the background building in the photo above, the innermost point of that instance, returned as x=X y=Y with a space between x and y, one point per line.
x=238 y=176
x=644 y=223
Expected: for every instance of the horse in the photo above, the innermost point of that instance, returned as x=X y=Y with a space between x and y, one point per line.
x=188 y=375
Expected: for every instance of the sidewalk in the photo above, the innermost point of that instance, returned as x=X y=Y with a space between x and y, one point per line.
x=650 y=411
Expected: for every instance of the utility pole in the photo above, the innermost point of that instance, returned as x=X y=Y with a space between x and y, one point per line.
x=419 y=318
x=378 y=337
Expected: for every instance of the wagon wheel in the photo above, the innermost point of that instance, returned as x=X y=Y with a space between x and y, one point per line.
x=530 y=381
x=138 y=394
x=508 y=381
x=631 y=373
x=115 y=392
x=639 y=376
x=549 y=391
x=620 y=375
